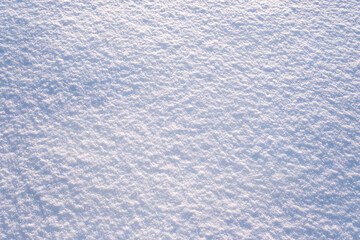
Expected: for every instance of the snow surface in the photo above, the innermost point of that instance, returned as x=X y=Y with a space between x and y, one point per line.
x=180 y=119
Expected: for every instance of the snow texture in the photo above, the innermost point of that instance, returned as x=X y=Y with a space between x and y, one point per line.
x=180 y=119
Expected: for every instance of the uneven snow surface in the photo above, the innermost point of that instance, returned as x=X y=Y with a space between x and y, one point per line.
x=180 y=119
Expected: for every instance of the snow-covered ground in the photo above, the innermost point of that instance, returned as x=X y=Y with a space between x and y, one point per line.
x=180 y=119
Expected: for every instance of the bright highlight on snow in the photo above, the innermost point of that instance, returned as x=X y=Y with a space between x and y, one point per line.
x=179 y=120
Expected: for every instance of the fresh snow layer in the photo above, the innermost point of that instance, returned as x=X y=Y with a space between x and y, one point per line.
x=179 y=119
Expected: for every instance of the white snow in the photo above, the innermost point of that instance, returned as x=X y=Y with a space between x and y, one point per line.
x=179 y=119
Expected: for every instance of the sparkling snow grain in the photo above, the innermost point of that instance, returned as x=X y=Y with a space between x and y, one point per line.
x=179 y=119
